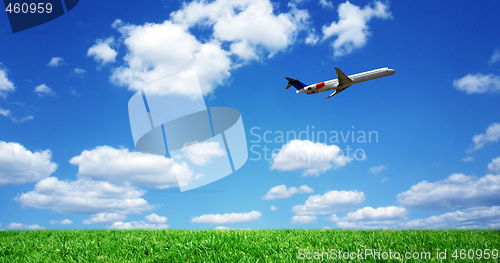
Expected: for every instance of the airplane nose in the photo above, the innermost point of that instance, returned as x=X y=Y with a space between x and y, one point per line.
x=392 y=71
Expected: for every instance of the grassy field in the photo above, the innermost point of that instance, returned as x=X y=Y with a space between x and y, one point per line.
x=244 y=245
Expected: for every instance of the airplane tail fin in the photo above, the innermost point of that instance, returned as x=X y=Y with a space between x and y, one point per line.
x=296 y=83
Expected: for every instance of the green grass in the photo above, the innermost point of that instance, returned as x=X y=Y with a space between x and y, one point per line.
x=231 y=245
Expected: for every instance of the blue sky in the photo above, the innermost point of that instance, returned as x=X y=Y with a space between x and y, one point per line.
x=68 y=160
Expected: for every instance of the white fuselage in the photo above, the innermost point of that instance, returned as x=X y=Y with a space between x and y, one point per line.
x=356 y=78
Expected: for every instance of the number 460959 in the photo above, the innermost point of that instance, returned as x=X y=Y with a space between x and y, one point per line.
x=31 y=8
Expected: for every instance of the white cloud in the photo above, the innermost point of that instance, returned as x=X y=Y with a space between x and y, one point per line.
x=325 y=4
x=201 y=153
x=19 y=165
x=62 y=222
x=496 y=55
x=156 y=51
x=494 y=166
x=121 y=167
x=313 y=158
x=136 y=225
x=85 y=197
x=273 y=208
x=478 y=83
x=55 y=62
x=4 y=112
x=79 y=72
x=458 y=191
x=280 y=191
x=222 y=228
x=468 y=159
x=8 y=113
x=371 y=218
x=375 y=170
x=156 y=219
x=243 y=50
x=471 y=218
x=227 y=218
x=492 y=135
x=312 y=38
x=102 y=51
x=19 y=226
x=241 y=30
x=6 y=85
x=352 y=28
x=155 y=222
x=303 y=219
x=254 y=22
x=379 y=214
x=333 y=218
x=329 y=202
x=104 y=218
x=43 y=90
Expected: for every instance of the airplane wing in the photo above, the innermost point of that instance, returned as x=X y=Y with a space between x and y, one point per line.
x=343 y=79
x=337 y=91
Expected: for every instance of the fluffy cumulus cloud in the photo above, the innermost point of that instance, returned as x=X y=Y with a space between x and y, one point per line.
x=121 y=167
x=55 y=62
x=281 y=191
x=19 y=165
x=102 y=52
x=104 y=218
x=85 y=197
x=44 y=90
x=155 y=222
x=303 y=219
x=19 y=226
x=136 y=225
x=372 y=218
x=201 y=153
x=375 y=170
x=494 y=166
x=6 y=85
x=478 y=83
x=156 y=219
x=458 y=191
x=313 y=158
x=249 y=21
x=62 y=222
x=352 y=28
x=227 y=218
x=273 y=208
x=492 y=135
x=470 y=218
x=330 y=202
x=238 y=31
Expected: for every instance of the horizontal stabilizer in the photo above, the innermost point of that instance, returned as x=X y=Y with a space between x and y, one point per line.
x=296 y=83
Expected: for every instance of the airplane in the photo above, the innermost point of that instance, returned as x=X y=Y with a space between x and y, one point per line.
x=341 y=83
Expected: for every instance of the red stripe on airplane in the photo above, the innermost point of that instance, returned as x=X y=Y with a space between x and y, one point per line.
x=320 y=85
